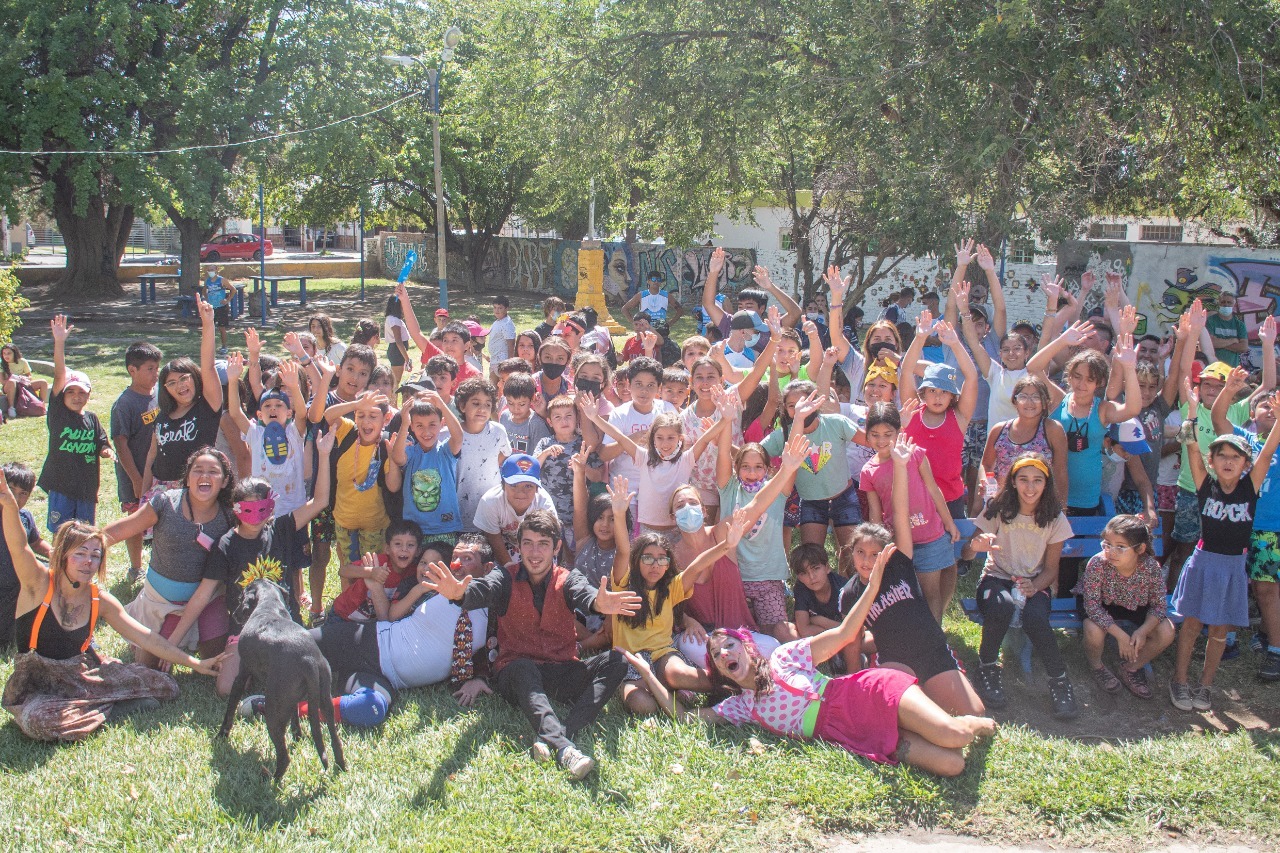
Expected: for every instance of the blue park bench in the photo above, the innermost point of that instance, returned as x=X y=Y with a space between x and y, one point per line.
x=1086 y=542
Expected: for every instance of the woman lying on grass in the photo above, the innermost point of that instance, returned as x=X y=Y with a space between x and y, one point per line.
x=880 y=714
x=60 y=688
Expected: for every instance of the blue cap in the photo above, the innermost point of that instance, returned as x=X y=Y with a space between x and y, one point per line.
x=521 y=468
x=942 y=377
x=1131 y=436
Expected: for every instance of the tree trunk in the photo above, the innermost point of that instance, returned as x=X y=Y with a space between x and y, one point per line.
x=6 y=247
x=94 y=239
x=192 y=233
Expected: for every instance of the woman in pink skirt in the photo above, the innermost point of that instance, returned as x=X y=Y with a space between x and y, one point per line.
x=880 y=714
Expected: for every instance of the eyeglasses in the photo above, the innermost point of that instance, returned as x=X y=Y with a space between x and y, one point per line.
x=1027 y=398
x=650 y=560
x=180 y=379
x=1116 y=549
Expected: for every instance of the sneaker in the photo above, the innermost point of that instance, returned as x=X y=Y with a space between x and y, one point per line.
x=991 y=686
x=13 y=413
x=1232 y=651
x=135 y=574
x=1270 y=669
x=577 y=763
x=251 y=706
x=1202 y=698
x=1258 y=642
x=540 y=751
x=962 y=567
x=1063 y=698
x=1180 y=696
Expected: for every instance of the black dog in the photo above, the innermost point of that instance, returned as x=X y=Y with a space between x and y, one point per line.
x=284 y=662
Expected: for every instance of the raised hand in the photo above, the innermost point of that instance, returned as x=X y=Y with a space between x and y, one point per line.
x=372 y=400
x=6 y=494
x=235 y=366
x=1125 y=352
x=1077 y=332
x=960 y=290
x=737 y=528
x=715 y=266
x=946 y=333
x=620 y=493
x=623 y=603
x=1197 y=316
x=773 y=319
x=809 y=328
x=325 y=442
x=253 y=344
x=578 y=462
x=806 y=407
x=402 y=293
x=1115 y=281
x=1087 y=281
x=205 y=310
x=1111 y=297
x=1192 y=395
x=877 y=571
x=1236 y=380
x=902 y=449
x=985 y=261
x=1052 y=288
x=836 y=284
x=964 y=254
x=909 y=408
x=59 y=328
x=1128 y=320
x=796 y=450
x=1267 y=332
x=760 y=276
x=288 y=373
x=924 y=323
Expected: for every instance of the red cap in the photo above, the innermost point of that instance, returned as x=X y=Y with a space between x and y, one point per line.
x=442 y=312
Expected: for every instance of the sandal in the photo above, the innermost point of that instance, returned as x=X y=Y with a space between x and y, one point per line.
x=1106 y=679
x=1136 y=681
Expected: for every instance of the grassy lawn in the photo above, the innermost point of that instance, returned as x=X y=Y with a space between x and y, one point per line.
x=1125 y=774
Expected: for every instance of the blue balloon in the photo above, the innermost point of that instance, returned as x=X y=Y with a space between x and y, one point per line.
x=410 y=259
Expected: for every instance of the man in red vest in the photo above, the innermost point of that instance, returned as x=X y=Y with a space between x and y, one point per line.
x=533 y=602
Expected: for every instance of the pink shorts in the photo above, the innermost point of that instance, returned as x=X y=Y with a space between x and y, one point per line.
x=1166 y=498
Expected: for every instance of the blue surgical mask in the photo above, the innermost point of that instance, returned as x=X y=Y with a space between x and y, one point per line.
x=1226 y=310
x=689 y=518
x=753 y=340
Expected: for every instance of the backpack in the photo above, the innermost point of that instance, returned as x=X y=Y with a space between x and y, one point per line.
x=27 y=404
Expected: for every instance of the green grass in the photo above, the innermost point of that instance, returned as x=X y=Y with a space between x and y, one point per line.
x=435 y=776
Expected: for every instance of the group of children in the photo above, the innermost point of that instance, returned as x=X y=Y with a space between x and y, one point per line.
x=694 y=501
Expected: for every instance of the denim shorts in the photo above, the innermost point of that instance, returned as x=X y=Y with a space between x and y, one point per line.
x=842 y=510
x=934 y=556
x=63 y=509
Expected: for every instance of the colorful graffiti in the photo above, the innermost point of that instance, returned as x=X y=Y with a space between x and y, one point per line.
x=550 y=267
x=1163 y=279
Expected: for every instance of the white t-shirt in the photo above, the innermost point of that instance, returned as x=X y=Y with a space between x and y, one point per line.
x=286 y=477
x=335 y=352
x=1001 y=408
x=502 y=336
x=655 y=485
x=1171 y=465
x=655 y=305
x=418 y=649
x=495 y=515
x=634 y=424
x=388 y=328
x=478 y=468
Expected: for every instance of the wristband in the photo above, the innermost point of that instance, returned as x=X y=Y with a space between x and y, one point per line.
x=305 y=361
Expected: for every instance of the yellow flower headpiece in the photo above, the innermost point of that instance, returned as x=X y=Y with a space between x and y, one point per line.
x=263 y=568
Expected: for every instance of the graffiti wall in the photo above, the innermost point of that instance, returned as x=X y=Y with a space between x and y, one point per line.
x=1162 y=279
x=550 y=267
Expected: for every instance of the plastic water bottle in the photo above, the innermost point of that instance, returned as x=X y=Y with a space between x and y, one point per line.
x=991 y=487
x=1019 y=601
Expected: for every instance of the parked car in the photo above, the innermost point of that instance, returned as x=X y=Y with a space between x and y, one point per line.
x=235 y=247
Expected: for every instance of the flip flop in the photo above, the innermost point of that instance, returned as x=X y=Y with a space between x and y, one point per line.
x=1106 y=679
x=1136 y=681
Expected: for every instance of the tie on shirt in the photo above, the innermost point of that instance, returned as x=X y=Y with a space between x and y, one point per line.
x=461 y=667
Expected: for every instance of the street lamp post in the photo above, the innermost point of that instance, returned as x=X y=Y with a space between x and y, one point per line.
x=451 y=38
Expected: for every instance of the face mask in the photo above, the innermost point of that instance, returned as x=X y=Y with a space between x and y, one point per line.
x=1226 y=310
x=811 y=420
x=553 y=371
x=753 y=340
x=675 y=454
x=814 y=316
x=254 y=512
x=752 y=488
x=873 y=350
x=590 y=386
x=689 y=518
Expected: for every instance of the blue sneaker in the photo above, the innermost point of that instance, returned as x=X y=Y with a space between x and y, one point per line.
x=1258 y=642
x=1232 y=651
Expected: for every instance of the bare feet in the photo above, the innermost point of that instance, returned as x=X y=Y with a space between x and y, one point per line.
x=980 y=726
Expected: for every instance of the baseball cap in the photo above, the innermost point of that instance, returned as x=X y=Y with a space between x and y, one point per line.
x=273 y=394
x=79 y=379
x=417 y=386
x=1236 y=442
x=1131 y=436
x=981 y=309
x=442 y=312
x=941 y=377
x=742 y=320
x=1219 y=370
x=475 y=329
x=521 y=468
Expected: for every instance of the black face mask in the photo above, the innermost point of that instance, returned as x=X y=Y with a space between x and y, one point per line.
x=590 y=386
x=811 y=420
x=553 y=371
x=873 y=350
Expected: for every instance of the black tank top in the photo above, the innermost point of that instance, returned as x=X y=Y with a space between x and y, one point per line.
x=54 y=641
